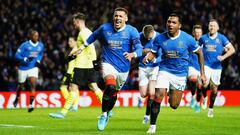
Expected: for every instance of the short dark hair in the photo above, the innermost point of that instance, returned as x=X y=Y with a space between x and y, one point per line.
x=31 y=32
x=174 y=14
x=147 y=29
x=213 y=20
x=197 y=26
x=121 y=9
x=80 y=16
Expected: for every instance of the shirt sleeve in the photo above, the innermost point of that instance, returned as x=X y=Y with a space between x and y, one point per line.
x=192 y=44
x=136 y=43
x=225 y=41
x=19 y=54
x=95 y=35
x=155 y=45
x=159 y=55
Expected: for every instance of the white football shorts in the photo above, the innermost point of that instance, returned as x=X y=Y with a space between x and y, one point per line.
x=170 y=81
x=24 y=74
x=193 y=72
x=121 y=78
x=213 y=75
x=147 y=74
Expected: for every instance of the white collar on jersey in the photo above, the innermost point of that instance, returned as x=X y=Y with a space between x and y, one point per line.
x=213 y=36
x=33 y=44
x=172 y=38
x=121 y=28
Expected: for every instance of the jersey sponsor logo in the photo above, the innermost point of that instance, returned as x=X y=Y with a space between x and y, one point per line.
x=115 y=44
x=172 y=54
x=33 y=54
x=211 y=48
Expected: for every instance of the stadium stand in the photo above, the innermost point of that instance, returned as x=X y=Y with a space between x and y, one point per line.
x=53 y=21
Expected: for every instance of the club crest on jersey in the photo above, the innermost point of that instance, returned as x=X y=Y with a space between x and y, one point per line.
x=218 y=41
x=124 y=34
x=180 y=44
x=39 y=48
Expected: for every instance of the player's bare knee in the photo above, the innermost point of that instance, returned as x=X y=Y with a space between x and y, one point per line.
x=151 y=94
x=93 y=86
x=157 y=95
x=143 y=95
x=206 y=85
x=214 y=90
x=193 y=79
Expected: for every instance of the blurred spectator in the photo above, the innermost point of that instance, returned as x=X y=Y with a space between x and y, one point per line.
x=53 y=21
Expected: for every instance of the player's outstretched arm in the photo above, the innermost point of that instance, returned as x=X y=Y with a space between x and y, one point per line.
x=78 y=51
x=90 y=40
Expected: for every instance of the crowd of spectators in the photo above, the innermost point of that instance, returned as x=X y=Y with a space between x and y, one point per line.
x=53 y=21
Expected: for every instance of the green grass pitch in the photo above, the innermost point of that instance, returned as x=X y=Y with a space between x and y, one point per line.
x=125 y=121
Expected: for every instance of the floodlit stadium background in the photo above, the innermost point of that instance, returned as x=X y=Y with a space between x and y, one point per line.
x=53 y=20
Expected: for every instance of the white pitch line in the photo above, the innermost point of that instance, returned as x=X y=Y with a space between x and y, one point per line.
x=17 y=126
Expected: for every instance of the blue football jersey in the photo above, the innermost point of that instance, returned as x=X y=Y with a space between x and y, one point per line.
x=175 y=52
x=29 y=50
x=115 y=43
x=213 y=48
x=148 y=44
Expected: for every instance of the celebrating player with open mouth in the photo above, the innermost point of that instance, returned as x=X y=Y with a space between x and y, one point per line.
x=118 y=40
x=175 y=45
